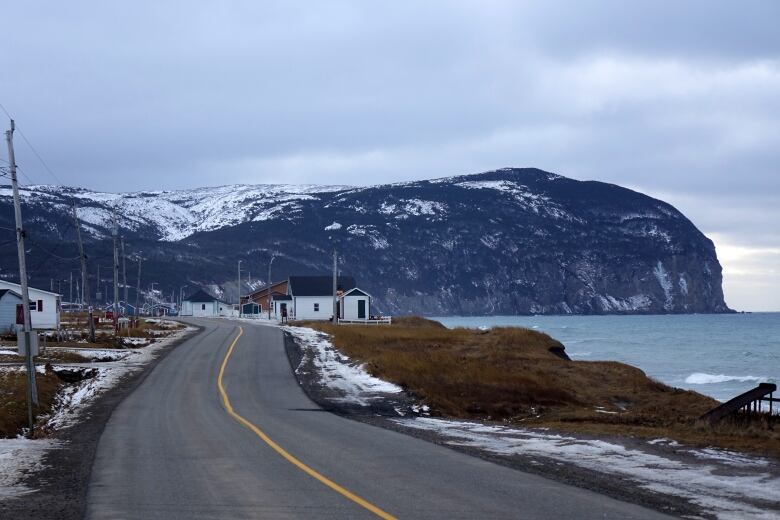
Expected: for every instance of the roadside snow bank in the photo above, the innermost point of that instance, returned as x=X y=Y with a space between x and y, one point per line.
x=21 y=456
x=73 y=399
x=335 y=370
x=730 y=485
x=18 y=457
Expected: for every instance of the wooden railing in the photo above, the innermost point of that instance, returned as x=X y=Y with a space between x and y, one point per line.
x=384 y=320
x=749 y=402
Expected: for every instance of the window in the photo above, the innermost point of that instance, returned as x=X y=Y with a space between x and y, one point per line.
x=316 y=307
x=203 y=306
x=33 y=306
x=40 y=305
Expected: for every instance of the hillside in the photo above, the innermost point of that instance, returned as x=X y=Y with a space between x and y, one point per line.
x=509 y=241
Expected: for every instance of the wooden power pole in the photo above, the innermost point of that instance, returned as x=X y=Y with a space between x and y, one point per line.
x=124 y=273
x=116 y=277
x=32 y=391
x=335 y=289
x=85 y=295
x=138 y=287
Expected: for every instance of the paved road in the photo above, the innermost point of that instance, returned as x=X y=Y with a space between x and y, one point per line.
x=172 y=450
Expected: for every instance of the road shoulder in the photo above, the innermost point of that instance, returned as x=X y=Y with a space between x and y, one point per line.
x=62 y=481
x=384 y=410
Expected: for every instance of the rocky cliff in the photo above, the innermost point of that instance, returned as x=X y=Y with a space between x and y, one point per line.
x=511 y=241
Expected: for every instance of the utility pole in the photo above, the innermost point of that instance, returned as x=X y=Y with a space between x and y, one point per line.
x=269 y=286
x=138 y=287
x=335 y=289
x=116 y=276
x=85 y=295
x=238 y=288
x=124 y=273
x=32 y=390
x=70 y=290
x=97 y=287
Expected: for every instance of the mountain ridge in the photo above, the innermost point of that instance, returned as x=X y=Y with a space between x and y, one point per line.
x=513 y=240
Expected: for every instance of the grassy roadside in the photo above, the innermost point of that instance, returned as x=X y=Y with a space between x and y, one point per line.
x=13 y=379
x=518 y=376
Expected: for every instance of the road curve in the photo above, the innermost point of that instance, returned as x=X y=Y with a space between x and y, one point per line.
x=172 y=450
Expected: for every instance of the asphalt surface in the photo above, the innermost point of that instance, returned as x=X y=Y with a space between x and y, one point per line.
x=172 y=450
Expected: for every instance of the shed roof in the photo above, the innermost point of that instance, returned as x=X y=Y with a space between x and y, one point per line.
x=318 y=285
x=3 y=291
x=355 y=292
x=201 y=296
x=280 y=297
x=19 y=287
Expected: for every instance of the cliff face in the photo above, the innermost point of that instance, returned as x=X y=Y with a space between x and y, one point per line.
x=511 y=241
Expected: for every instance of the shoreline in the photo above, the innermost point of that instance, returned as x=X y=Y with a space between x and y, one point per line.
x=503 y=445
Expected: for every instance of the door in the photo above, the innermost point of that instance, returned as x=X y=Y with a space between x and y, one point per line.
x=361 y=309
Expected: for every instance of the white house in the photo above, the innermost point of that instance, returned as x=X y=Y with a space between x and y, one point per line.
x=8 y=301
x=312 y=296
x=201 y=303
x=44 y=306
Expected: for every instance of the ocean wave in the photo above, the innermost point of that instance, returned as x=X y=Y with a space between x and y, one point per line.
x=700 y=378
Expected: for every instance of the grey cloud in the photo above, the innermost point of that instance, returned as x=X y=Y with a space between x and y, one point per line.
x=673 y=98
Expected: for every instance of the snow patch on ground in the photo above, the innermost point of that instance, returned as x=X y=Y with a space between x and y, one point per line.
x=17 y=458
x=337 y=372
x=21 y=456
x=73 y=400
x=730 y=485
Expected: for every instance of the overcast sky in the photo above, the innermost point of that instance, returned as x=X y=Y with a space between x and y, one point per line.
x=680 y=100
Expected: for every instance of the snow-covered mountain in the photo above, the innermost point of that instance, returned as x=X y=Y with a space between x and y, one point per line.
x=507 y=241
x=174 y=215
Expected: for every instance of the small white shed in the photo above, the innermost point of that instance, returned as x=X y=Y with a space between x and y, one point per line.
x=8 y=302
x=44 y=306
x=355 y=304
x=201 y=304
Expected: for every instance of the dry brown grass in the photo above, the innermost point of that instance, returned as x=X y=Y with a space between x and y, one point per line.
x=511 y=374
x=13 y=399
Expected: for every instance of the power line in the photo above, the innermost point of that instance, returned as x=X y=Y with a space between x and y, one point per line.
x=34 y=151
x=45 y=166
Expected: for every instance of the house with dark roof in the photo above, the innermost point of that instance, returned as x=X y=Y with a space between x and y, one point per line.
x=201 y=303
x=311 y=298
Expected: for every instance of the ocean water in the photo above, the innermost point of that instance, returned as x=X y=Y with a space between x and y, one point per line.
x=721 y=355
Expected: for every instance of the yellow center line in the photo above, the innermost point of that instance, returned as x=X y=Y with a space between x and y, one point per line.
x=281 y=451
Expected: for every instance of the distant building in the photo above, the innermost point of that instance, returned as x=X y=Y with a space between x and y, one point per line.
x=312 y=296
x=44 y=307
x=200 y=303
x=279 y=304
x=355 y=304
x=261 y=295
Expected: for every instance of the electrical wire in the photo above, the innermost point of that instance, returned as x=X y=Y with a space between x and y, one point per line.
x=34 y=151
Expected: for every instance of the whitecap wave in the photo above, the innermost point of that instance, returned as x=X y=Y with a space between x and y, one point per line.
x=700 y=378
